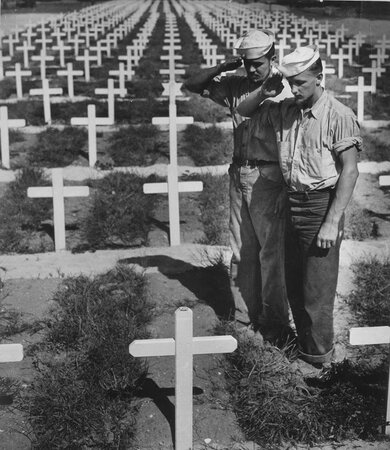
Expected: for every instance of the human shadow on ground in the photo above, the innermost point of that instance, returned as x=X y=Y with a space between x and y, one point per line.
x=150 y=389
x=209 y=284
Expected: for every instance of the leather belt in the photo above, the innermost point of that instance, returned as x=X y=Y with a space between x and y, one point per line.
x=252 y=162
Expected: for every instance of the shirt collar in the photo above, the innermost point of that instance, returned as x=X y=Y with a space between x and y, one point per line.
x=318 y=105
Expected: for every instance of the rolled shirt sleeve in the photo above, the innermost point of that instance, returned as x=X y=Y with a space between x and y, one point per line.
x=347 y=134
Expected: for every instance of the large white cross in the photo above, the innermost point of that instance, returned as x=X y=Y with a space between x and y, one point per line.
x=11 y=353
x=18 y=73
x=340 y=57
x=25 y=48
x=110 y=91
x=58 y=192
x=91 y=122
x=360 y=89
x=373 y=336
x=172 y=187
x=376 y=71
x=5 y=124
x=42 y=58
x=70 y=73
x=46 y=92
x=62 y=48
x=86 y=58
x=3 y=59
x=184 y=346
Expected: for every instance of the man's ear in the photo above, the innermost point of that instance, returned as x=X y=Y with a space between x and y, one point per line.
x=320 y=76
x=273 y=58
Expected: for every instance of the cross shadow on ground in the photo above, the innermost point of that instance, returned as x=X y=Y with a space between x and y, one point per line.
x=209 y=284
x=150 y=389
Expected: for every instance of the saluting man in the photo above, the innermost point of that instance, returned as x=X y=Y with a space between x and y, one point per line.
x=318 y=139
x=256 y=187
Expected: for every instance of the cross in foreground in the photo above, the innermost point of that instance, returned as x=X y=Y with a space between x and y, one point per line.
x=58 y=191
x=372 y=336
x=183 y=347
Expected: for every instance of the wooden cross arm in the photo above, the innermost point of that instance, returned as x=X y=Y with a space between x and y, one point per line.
x=176 y=71
x=73 y=72
x=168 y=57
x=166 y=347
x=16 y=123
x=173 y=47
x=52 y=91
x=183 y=120
x=384 y=180
x=183 y=186
x=47 y=191
x=369 y=335
x=87 y=121
x=11 y=353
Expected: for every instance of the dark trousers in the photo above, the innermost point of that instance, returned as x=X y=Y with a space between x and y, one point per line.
x=311 y=274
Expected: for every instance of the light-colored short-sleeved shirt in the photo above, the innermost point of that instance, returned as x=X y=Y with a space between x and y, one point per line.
x=310 y=141
x=229 y=91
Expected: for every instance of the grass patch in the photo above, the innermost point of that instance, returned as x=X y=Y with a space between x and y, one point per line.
x=21 y=216
x=274 y=404
x=119 y=215
x=374 y=149
x=82 y=395
x=214 y=207
x=137 y=146
x=359 y=224
x=202 y=109
x=58 y=148
x=208 y=146
x=15 y=136
x=369 y=300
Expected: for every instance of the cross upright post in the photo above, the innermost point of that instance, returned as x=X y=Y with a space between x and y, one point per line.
x=18 y=74
x=46 y=92
x=58 y=192
x=360 y=89
x=5 y=124
x=184 y=346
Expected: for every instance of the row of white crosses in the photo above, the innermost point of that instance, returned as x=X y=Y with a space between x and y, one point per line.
x=58 y=191
x=172 y=187
x=43 y=57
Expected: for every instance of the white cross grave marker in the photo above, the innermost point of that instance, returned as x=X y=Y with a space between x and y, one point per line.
x=3 y=59
x=91 y=122
x=376 y=71
x=58 y=191
x=25 y=48
x=11 y=353
x=340 y=57
x=110 y=91
x=5 y=124
x=45 y=92
x=184 y=346
x=42 y=58
x=360 y=89
x=373 y=336
x=18 y=74
x=70 y=73
x=87 y=58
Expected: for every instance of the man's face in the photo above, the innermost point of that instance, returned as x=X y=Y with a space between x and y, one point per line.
x=304 y=87
x=257 y=69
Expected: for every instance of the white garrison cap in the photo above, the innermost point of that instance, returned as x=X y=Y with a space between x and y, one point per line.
x=299 y=60
x=254 y=43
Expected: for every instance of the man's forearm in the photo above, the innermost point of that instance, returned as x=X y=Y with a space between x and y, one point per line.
x=343 y=194
x=251 y=103
x=198 y=82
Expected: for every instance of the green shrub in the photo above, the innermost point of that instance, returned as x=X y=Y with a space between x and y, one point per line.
x=203 y=109
x=370 y=298
x=207 y=146
x=21 y=216
x=119 y=216
x=275 y=404
x=82 y=396
x=58 y=148
x=374 y=149
x=214 y=207
x=137 y=146
x=359 y=225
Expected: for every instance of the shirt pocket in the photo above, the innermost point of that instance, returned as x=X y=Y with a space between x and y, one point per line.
x=318 y=163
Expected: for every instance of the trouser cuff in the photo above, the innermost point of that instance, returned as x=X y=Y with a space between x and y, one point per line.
x=316 y=359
